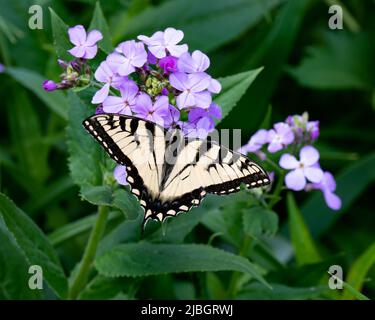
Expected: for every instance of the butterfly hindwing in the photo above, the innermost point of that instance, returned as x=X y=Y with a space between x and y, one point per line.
x=168 y=172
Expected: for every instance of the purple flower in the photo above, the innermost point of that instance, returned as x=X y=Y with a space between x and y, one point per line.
x=168 y=64
x=193 y=88
x=256 y=142
x=151 y=59
x=211 y=113
x=49 y=85
x=279 y=137
x=305 y=168
x=123 y=104
x=2 y=68
x=312 y=128
x=197 y=62
x=99 y=109
x=155 y=112
x=120 y=175
x=160 y=43
x=172 y=117
x=328 y=185
x=85 y=44
x=107 y=75
x=128 y=56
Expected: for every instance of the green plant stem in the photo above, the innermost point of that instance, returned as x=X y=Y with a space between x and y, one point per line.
x=278 y=189
x=232 y=288
x=80 y=278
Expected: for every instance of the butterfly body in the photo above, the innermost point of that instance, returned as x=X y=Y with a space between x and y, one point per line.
x=167 y=172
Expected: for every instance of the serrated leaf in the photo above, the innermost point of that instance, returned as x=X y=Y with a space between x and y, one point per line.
x=143 y=259
x=358 y=271
x=199 y=21
x=304 y=247
x=31 y=80
x=98 y=22
x=233 y=88
x=30 y=241
x=258 y=220
x=60 y=36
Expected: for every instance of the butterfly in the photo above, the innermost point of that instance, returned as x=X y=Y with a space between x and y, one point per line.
x=168 y=172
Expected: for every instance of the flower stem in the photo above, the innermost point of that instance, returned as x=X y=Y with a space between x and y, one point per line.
x=232 y=288
x=80 y=278
x=278 y=188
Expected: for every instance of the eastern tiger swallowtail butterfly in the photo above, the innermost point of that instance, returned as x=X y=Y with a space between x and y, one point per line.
x=167 y=172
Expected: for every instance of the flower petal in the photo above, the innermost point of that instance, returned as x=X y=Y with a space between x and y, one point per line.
x=179 y=80
x=93 y=37
x=329 y=181
x=332 y=200
x=309 y=155
x=185 y=100
x=120 y=175
x=313 y=174
x=214 y=86
x=113 y=104
x=186 y=63
x=288 y=161
x=101 y=94
x=295 y=180
x=157 y=50
x=90 y=52
x=129 y=90
x=274 y=147
x=201 y=61
x=77 y=35
x=77 y=52
x=173 y=36
x=202 y=99
x=199 y=81
x=177 y=50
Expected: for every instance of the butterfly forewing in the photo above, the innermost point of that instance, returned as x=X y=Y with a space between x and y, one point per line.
x=167 y=172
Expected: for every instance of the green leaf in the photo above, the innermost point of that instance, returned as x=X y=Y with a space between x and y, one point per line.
x=102 y=288
x=358 y=271
x=233 y=88
x=360 y=174
x=30 y=242
x=304 y=247
x=60 y=36
x=31 y=80
x=215 y=288
x=200 y=21
x=254 y=291
x=98 y=22
x=176 y=229
x=343 y=61
x=258 y=220
x=13 y=269
x=77 y=227
x=26 y=134
x=143 y=259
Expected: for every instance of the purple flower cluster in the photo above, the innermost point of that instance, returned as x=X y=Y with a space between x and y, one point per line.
x=154 y=78
x=296 y=136
x=159 y=80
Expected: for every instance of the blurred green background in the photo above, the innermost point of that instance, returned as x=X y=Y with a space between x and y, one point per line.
x=307 y=67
